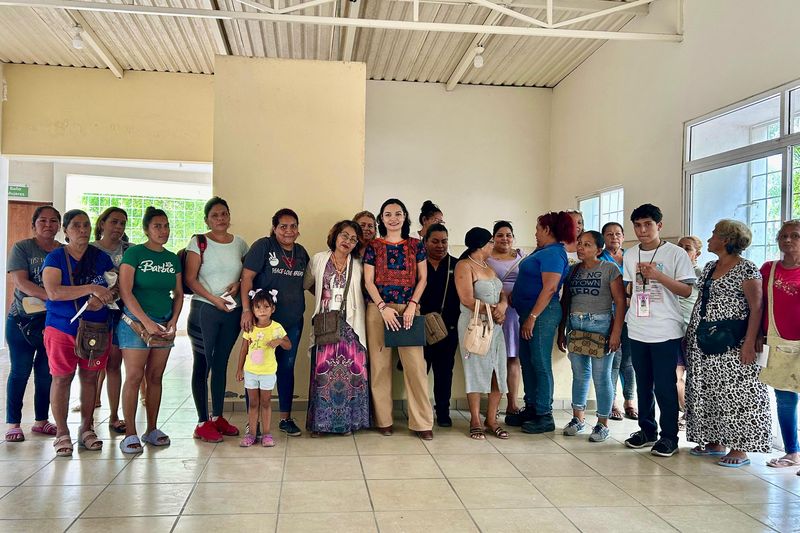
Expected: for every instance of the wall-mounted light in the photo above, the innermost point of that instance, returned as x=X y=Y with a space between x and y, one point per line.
x=77 y=38
x=477 y=60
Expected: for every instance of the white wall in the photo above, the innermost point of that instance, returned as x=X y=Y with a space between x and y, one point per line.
x=480 y=153
x=619 y=117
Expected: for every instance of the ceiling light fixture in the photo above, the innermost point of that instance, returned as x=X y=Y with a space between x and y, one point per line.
x=77 y=38
x=477 y=60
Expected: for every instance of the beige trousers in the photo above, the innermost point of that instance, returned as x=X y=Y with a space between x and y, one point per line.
x=420 y=412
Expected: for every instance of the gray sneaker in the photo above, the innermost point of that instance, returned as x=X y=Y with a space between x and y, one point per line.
x=574 y=427
x=599 y=433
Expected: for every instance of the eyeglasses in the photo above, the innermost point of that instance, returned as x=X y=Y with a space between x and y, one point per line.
x=351 y=240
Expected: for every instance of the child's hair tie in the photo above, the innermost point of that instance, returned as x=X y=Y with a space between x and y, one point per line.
x=252 y=293
x=274 y=294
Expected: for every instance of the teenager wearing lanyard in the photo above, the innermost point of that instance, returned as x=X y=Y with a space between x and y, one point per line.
x=659 y=272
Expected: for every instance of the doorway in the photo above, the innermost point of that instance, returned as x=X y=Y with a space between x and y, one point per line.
x=19 y=228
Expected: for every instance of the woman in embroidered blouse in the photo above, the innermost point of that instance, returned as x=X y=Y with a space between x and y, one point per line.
x=395 y=273
x=338 y=396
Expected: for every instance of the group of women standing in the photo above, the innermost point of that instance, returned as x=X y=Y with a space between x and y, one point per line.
x=382 y=279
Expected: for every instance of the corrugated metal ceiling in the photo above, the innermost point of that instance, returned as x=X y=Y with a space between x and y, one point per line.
x=179 y=44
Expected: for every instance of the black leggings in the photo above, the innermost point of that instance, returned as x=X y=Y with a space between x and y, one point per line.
x=213 y=334
x=441 y=357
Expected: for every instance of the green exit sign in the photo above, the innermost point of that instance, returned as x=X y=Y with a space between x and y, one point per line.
x=17 y=190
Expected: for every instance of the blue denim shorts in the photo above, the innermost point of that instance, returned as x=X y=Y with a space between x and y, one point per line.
x=128 y=339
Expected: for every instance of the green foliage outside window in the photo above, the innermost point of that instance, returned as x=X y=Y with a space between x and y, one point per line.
x=185 y=215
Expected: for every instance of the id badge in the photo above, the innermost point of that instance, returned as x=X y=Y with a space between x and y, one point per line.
x=337 y=295
x=643 y=304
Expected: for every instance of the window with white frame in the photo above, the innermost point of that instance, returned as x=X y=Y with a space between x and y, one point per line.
x=743 y=163
x=602 y=207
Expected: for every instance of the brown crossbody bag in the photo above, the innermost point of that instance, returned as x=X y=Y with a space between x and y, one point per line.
x=328 y=325
x=93 y=338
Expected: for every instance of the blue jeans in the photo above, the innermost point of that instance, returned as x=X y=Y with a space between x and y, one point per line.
x=286 y=359
x=622 y=369
x=536 y=359
x=787 y=419
x=598 y=368
x=24 y=359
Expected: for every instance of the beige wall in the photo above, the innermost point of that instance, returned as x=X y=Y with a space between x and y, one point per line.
x=618 y=118
x=480 y=153
x=56 y=111
x=289 y=134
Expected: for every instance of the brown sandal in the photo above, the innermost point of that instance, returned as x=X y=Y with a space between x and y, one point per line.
x=616 y=414
x=477 y=433
x=632 y=413
x=499 y=432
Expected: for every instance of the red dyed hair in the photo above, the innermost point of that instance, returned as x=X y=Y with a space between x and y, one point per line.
x=561 y=225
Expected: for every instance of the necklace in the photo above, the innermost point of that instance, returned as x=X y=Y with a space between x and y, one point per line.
x=482 y=264
x=339 y=270
x=288 y=260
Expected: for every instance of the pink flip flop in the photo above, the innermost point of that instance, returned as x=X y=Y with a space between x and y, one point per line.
x=47 y=429
x=15 y=435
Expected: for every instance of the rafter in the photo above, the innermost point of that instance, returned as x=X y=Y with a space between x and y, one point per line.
x=348 y=22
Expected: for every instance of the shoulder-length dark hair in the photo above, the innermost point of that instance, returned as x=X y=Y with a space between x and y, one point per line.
x=280 y=213
x=561 y=225
x=405 y=230
x=98 y=225
x=337 y=228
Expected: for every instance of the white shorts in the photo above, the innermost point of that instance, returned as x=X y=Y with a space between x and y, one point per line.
x=259 y=381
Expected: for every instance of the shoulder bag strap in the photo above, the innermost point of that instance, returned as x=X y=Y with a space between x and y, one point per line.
x=773 y=328
x=69 y=274
x=347 y=283
x=510 y=270
x=446 y=284
x=706 y=293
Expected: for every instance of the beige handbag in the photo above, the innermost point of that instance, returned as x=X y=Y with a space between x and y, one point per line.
x=478 y=336
x=435 y=328
x=783 y=366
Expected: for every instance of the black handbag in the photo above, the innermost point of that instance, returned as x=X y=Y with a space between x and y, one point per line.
x=32 y=328
x=718 y=336
x=328 y=325
x=414 y=336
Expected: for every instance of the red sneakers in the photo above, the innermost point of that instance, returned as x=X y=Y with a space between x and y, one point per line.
x=207 y=432
x=225 y=427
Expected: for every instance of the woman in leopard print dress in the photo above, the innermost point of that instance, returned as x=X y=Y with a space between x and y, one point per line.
x=726 y=405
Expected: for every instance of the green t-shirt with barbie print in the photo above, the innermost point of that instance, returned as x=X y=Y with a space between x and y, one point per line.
x=260 y=355
x=155 y=278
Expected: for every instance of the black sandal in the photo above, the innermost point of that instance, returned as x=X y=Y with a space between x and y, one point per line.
x=499 y=432
x=477 y=433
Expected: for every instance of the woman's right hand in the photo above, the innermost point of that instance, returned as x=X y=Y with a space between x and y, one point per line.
x=246 y=322
x=759 y=343
x=389 y=316
x=220 y=304
x=526 y=330
x=153 y=328
x=104 y=294
x=562 y=340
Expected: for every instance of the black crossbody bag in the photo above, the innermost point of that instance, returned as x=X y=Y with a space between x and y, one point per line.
x=718 y=336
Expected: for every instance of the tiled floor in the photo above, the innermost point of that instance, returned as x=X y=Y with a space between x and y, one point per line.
x=368 y=482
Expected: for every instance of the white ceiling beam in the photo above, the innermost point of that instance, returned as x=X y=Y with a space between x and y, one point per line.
x=339 y=21
x=90 y=38
x=580 y=6
x=466 y=60
x=622 y=7
x=510 y=12
x=258 y=6
x=349 y=33
x=304 y=5
x=550 y=13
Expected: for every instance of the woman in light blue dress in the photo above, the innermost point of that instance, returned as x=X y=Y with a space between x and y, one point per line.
x=475 y=280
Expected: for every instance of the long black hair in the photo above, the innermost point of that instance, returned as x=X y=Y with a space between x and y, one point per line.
x=405 y=230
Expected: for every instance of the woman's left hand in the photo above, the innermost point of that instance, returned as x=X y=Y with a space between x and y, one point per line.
x=172 y=326
x=499 y=312
x=408 y=315
x=94 y=304
x=233 y=289
x=614 y=342
x=748 y=354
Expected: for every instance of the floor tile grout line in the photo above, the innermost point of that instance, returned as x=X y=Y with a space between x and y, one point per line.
x=369 y=493
x=194 y=487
